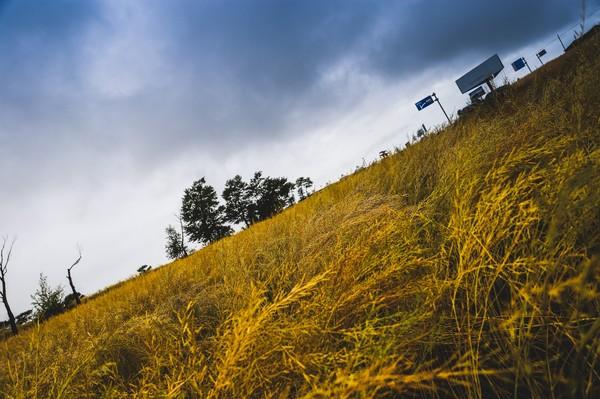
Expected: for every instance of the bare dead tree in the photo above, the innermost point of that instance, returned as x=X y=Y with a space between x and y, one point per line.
x=3 y=271
x=75 y=293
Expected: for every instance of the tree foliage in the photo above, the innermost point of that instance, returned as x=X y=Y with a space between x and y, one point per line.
x=202 y=215
x=237 y=201
x=273 y=194
x=303 y=185
x=47 y=301
x=256 y=200
x=175 y=247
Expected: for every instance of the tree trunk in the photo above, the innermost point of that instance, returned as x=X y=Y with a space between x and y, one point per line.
x=11 y=317
x=185 y=254
x=3 y=268
x=73 y=287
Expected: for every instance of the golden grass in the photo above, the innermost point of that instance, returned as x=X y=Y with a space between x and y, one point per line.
x=466 y=265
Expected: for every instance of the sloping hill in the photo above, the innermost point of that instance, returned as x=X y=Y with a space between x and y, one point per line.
x=466 y=265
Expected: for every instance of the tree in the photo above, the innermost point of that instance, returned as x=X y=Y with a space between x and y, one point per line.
x=175 y=247
x=303 y=184
x=253 y=194
x=274 y=195
x=268 y=196
x=257 y=200
x=47 y=301
x=3 y=270
x=202 y=215
x=76 y=294
x=237 y=201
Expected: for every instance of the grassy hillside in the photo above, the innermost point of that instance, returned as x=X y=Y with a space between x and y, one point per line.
x=466 y=265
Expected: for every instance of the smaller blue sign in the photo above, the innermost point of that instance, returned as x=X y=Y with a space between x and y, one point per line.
x=518 y=64
x=424 y=103
x=541 y=53
x=477 y=93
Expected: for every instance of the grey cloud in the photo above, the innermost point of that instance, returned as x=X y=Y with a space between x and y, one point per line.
x=214 y=74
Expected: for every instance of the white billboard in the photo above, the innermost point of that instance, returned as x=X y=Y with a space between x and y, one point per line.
x=489 y=68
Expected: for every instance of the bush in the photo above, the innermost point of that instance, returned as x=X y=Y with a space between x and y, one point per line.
x=47 y=301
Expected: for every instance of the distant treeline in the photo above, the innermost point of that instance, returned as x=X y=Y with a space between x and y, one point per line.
x=203 y=219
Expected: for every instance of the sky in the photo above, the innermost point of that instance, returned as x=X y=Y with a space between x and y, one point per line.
x=109 y=109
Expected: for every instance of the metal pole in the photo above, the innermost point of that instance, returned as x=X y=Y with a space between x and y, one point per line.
x=423 y=126
x=539 y=59
x=440 y=104
x=527 y=65
x=561 y=42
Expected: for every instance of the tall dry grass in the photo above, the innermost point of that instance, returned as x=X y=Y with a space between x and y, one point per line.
x=466 y=266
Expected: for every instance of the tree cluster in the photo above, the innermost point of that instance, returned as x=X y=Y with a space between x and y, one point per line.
x=204 y=219
x=47 y=301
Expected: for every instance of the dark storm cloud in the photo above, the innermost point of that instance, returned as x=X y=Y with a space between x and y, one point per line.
x=283 y=47
x=213 y=74
x=273 y=45
x=421 y=34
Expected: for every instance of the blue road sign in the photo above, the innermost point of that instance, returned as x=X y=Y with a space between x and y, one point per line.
x=518 y=64
x=541 y=53
x=477 y=93
x=424 y=103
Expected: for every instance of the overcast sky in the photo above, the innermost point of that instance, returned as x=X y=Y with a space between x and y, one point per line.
x=110 y=108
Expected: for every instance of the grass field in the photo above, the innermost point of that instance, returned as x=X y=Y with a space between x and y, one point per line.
x=464 y=266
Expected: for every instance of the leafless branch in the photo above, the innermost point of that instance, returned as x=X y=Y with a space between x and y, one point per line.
x=78 y=259
x=4 y=262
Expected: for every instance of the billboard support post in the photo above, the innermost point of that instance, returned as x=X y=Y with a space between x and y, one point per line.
x=435 y=98
x=490 y=84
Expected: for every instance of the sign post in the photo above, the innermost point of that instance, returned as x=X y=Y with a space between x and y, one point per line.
x=561 y=42
x=540 y=54
x=520 y=63
x=427 y=101
x=435 y=98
